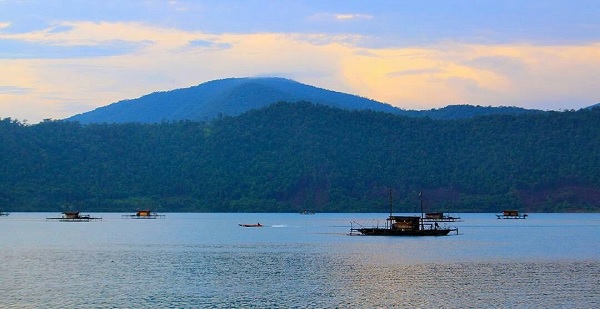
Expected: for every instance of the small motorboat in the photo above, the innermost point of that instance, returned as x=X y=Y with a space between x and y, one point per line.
x=251 y=225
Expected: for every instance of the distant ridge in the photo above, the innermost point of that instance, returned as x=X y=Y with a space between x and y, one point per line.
x=469 y=111
x=234 y=96
x=597 y=105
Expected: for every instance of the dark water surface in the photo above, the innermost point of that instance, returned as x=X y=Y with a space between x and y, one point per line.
x=297 y=261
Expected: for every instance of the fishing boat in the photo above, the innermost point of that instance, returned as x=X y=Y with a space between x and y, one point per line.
x=74 y=216
x=144 y=214
x=511 y=214
x=404 y=226
x=251 y=225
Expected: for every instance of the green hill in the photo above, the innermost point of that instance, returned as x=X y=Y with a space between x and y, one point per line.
x=289 y=157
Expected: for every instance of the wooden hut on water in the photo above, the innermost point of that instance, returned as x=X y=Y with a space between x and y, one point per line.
x=511 y=214
x=74 y=216
x=144 y=214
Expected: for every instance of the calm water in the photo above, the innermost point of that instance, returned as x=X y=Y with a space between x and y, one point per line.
x=297 y=261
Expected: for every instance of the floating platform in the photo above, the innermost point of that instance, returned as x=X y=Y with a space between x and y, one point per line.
x=144 y=214
x=74 y=216
x=440 y=217
x=511 y=214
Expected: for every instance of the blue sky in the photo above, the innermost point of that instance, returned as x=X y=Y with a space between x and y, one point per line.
x=60 y=58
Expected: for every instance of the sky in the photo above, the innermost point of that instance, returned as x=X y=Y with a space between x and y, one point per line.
x=59 y=58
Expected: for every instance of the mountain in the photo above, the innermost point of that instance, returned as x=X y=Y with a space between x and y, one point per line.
x=597 y=105
x=234 y=96
x=230 y=97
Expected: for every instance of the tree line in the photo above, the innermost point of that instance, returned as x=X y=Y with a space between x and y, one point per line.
x=293 y=156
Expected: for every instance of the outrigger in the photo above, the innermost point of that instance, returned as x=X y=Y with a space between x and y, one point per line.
x=404 y=226
x=74 y=216
x=144 y=214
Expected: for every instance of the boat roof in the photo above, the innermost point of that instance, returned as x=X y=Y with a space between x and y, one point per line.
x=404 y=217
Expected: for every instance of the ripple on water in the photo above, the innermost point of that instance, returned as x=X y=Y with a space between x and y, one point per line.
x=265 y=278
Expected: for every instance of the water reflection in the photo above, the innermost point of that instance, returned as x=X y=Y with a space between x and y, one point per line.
x=290 y=279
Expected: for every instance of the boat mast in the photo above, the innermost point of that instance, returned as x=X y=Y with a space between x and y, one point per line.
x=391 y=204
x=389 y=221
x=421 y=199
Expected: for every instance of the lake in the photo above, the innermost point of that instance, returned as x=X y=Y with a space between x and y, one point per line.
x=205 y=260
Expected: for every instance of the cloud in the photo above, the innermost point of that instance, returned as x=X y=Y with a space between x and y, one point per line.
x=59 y=29
x=16 y=49
x=338 y=17
x=163 y=59
x=208 y=44
x=414 y=72
x=103 y=62
x=177 y=6
x=544 y=77
x=352 y=16
x=68 y=40
x=507 y=64
x=14 y=90
x=326 y=39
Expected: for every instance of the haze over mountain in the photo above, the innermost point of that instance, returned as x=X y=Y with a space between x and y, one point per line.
x=234 y=96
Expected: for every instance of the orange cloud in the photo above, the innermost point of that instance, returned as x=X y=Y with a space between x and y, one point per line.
x=519 y=75
x=409 y=77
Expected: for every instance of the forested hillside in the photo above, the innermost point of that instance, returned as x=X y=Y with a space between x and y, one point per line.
x=289 y=157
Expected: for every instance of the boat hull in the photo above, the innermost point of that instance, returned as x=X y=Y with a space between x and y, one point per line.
x=511 y=217
x=77 y=219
